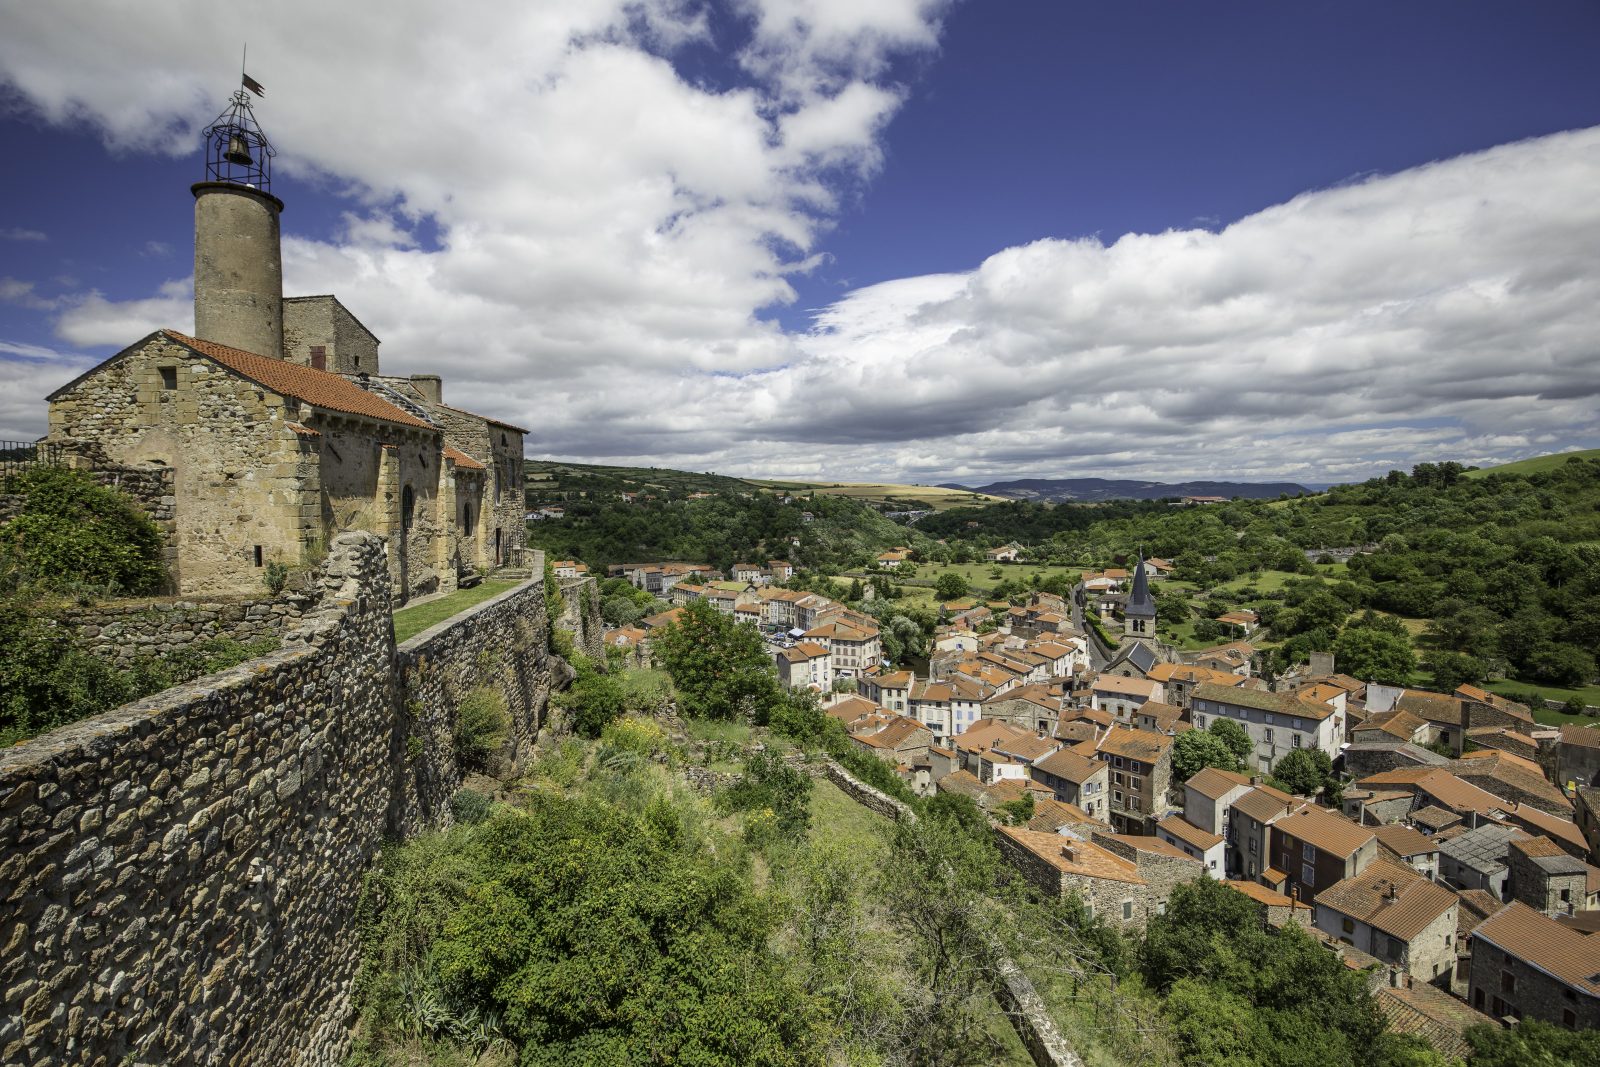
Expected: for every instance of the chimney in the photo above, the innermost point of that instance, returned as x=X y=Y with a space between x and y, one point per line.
x=431 y=386
x=1255 y=779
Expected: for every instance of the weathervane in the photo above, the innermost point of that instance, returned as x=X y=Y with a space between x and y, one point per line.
x=236 y=150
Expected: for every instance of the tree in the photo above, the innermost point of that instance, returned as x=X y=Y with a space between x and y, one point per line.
x=1565 y=665
x=1451 y=670
x=950 y=585
x=1303 y=772
x=1197 y=749
x=621 y=610
x=1376 y=655
x=1531 y=1043
x=720 y=668
x=1236 y=737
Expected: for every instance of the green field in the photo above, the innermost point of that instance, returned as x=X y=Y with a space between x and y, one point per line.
x=1589 y=695
x=927 y=496
x=409 y=622
x=1536 y=464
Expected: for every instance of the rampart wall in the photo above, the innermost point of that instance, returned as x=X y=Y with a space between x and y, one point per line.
x=180 y=875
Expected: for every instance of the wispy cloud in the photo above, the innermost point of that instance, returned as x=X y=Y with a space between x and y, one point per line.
x=15 y=234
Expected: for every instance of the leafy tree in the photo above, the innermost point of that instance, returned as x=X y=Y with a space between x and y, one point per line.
x=1236 y=737
x=950 y=585
x=1019 y=812
x=1376 y=655
x=1531 y=1043
x=720 y=668
x=621 y=610
x=1195 y=750
x=72 y=532
x=1303 y=771
x=580 y=933
x=1559 y=664
x=773 y=787
x=595 y=699
x=1452 y=670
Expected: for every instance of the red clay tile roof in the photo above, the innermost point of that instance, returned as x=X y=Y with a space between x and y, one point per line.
x=1415 y=901
x=1540 y=941
x=1261 y=894
x=1070 y=766
x=1215 y=783
x=462 y=460
x=1430 y=1013
x=1333 y=834
x=1188 y=832
x=1071 y=856
x=319 y=387
x=1403 y=841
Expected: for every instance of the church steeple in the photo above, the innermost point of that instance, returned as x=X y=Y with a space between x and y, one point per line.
x=1139 y=616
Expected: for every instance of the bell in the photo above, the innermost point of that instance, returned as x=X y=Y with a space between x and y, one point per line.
x=238 y=151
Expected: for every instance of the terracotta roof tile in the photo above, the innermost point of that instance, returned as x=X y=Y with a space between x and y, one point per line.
x=1069 y=765
x=1333 y=834
x=1261 y=894
x=1072 y=856
x=318 y=387
x=1215 y=783
x=1390 y=897
x=1540 y=941
x=1188 y=832
x=462 y=460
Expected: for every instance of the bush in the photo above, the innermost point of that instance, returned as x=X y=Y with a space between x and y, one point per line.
x=72 y=532
x=778 y=794
x=470 y=807
x=481 y=727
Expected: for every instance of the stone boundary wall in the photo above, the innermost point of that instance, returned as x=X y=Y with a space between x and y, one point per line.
x=581 y=615
x=150 y=487
x=868 y=797
x=1012 y=989
x=120 y=630
x=181 y=874
x=502 y=644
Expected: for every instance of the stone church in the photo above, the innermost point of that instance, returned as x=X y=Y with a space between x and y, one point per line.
x=277 y=424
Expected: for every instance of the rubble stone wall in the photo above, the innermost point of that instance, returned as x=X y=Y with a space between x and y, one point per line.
x=180 y=875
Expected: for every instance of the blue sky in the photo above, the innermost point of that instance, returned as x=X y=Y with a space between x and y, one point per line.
x=910 y=239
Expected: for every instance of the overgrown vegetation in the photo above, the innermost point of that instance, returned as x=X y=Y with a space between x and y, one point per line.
x=74 y=536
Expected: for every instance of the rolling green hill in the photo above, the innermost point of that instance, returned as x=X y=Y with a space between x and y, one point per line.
x=1536 y=464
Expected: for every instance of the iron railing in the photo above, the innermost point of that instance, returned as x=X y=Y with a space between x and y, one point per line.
x=19 y=456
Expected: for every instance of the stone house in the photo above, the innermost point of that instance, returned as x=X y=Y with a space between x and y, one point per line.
x=1250 y=828
x=1120 y=879
x=1544 y=877
x=1276 y=909
x=1480 y=859
x=1392 y=913
x=1076 y=779
x=889 y=689
x=805 y=666
x=1313 y=848
x=901 y=741
x=1405 y=844
x=1207 y=847
x=1123 y=697
x=1278 y=723
x=1578 y=756
x=1525 y=964
x=281 y=432
x=1141 y=775
x=1208 y=797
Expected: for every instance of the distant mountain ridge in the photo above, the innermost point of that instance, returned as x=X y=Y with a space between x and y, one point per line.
x=1092 y=490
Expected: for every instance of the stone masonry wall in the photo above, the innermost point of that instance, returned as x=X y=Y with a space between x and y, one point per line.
x=121 y=630
x=581 y=614
x=180 y=875
x=501 y=644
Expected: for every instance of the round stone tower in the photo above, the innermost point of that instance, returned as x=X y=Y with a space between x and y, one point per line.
x=238 y=262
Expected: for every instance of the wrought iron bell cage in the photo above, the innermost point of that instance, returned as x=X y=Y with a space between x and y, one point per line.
x=236 y=149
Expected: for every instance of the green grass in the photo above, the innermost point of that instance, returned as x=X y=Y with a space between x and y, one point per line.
x=1274 y=581
x=1588 y=694
x=733 y=733
x=1536 y=464
x=836 y=820
x=409 y=622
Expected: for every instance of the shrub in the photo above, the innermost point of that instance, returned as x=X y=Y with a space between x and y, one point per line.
x=275 y=577
x=73 y=532
x=481 y=727
x=470 y=807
